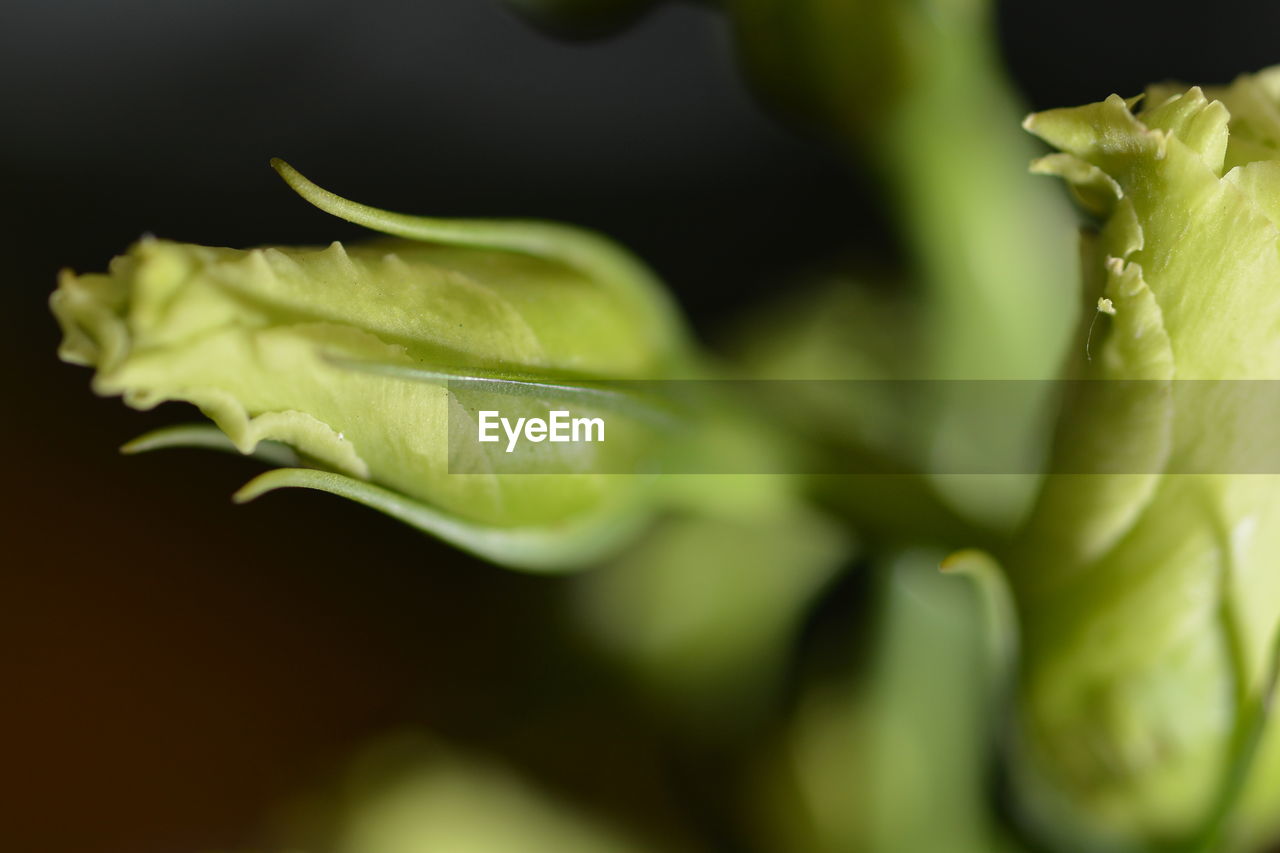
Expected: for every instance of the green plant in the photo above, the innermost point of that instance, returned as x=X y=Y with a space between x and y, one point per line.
x=1111 y=649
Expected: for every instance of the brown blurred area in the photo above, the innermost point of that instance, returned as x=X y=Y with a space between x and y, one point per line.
x=177 y=669
x=175 y=666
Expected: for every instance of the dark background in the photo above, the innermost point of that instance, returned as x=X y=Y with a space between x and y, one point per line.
x=171 y=665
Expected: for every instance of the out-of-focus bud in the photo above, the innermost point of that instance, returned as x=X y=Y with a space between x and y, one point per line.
x=1150 y=602
x=352 y=357
x=581 y=18
x=855 y=64
x=704 y=612
x=867 y=754
x=914 y=89
x=412 y=793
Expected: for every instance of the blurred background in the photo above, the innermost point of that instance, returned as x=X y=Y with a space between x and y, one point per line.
x=172 y=666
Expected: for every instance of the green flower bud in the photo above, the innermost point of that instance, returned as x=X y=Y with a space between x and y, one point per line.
x=351 y=357
x=1150 y=601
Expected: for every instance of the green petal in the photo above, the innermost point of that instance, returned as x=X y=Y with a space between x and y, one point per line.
x=548 y=548
x=598 y=258
x=209 y=438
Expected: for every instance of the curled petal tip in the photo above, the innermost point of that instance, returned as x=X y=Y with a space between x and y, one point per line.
x=963 y=560
x=256 y=488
